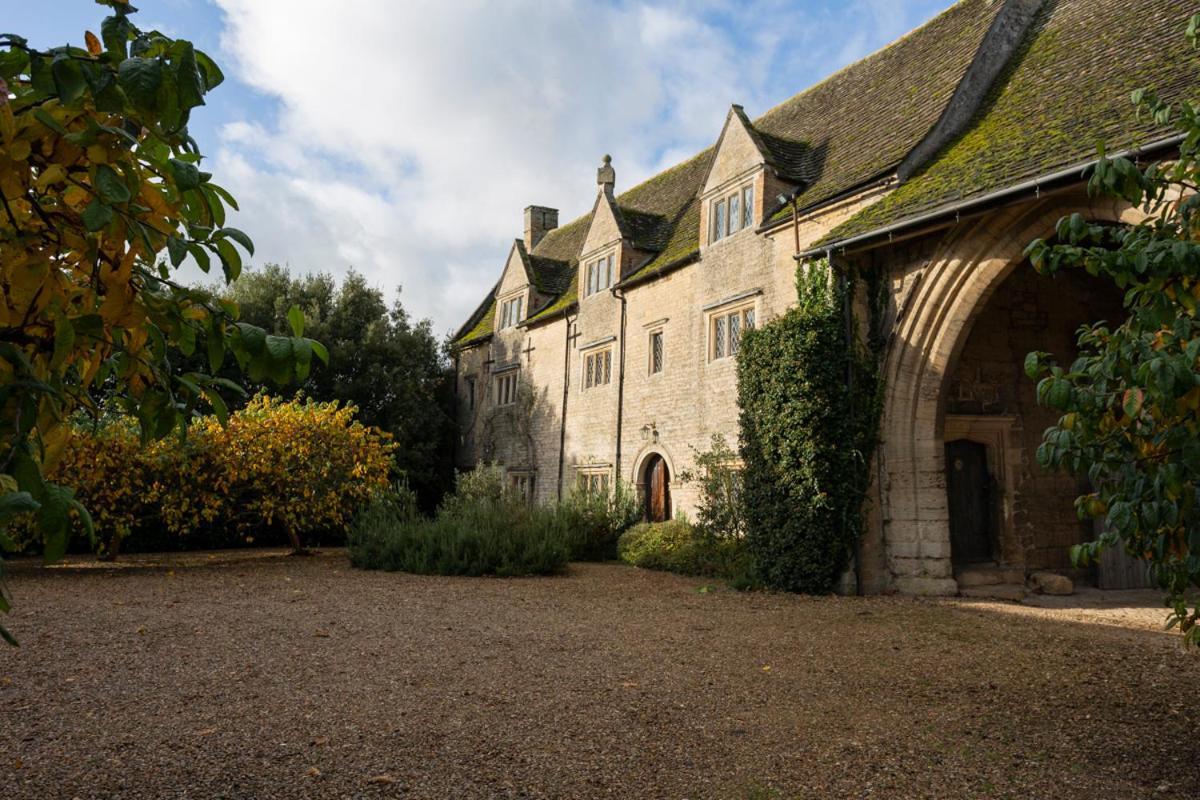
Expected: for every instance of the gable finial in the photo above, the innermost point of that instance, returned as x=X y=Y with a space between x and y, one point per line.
x=606 y=176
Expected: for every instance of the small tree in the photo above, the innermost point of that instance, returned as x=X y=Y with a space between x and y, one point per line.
x=1130 y=402
x=721 y=514
x=98 y=178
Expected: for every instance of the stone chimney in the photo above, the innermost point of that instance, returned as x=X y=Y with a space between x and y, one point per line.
x=606 y=176
x=539 y=221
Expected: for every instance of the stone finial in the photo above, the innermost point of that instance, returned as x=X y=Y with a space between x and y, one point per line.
x=606 y=176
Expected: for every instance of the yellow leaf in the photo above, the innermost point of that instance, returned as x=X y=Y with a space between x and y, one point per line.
x=50 y=176
x=93 y=44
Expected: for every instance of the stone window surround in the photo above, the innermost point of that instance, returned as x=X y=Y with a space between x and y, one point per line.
x=506 y=383
x=651 y=333
x=998 y=434
x=590 y=354
x=522 y=480
x=502 y=323
x=607 y=250
x=747 y=180
x=593 y=476
x=741 y=302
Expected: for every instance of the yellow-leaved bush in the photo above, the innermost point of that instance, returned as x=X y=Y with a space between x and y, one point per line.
x=279 y=469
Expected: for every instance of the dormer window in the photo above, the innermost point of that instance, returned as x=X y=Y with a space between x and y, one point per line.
x=731 y=212
x=510 y=312
x=599 y=274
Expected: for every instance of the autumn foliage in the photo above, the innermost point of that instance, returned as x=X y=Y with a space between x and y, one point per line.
x=278 y=468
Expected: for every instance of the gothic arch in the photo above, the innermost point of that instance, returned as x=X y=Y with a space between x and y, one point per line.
x=934 y=318
x=638 y=477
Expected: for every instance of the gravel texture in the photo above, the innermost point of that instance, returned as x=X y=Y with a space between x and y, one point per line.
x=283 y=677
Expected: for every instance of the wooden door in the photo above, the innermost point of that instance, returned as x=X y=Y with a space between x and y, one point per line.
x=658 y=490
x=969 y=490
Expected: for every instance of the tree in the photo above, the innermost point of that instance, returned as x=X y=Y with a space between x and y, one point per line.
x=392 y=369
x=1130 y=401
x=98 y=177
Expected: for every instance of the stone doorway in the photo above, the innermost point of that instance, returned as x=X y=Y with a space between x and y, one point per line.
x=970 y=493
x=657 y=483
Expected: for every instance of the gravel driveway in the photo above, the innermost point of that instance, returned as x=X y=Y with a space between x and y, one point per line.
x=295 y=678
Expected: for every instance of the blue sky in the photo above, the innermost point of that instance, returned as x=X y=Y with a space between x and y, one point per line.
x=404 y=138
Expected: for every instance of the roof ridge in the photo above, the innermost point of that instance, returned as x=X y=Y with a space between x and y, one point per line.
x=874 y=53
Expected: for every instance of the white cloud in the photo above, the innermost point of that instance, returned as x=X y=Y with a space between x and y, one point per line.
x=411 y=135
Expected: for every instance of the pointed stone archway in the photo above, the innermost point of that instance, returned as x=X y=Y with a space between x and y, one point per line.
x=936 y=303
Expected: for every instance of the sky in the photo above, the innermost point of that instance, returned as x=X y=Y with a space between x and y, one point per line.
x=404 y=138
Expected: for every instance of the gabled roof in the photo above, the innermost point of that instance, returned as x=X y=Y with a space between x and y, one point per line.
x=1066 y=90
x=852 y=128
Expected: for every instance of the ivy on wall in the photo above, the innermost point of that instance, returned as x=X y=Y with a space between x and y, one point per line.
x=809 y=399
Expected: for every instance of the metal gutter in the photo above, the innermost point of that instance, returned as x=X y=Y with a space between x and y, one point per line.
x=1035 y=184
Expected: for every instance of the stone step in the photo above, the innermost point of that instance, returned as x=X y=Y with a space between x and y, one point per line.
x=1013 y=592
x=988 y=576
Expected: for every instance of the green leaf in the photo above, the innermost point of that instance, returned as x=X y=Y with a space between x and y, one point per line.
x=231 y=260
x=229 y=201
x=141 y=78
x=64 y=340
x=233 y=233
x=212 y=73
x=296 y=320
x=177 y=249
x=1033 y=365
x=187 y=176
x=215 y=341
x=96 y=215
x=187 y=76
x=253 y=337
x=15 y=503
x=111 y=187
x=114 y=32
x=218 y=405
x=187 y=339
x=303 y=353
x=320 y=351
x=200 y=253
x=54 y=521
x=68 y=79
x=279 y=348
x=50 y=122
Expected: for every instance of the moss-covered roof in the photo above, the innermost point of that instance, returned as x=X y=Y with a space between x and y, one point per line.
x=859 y=124
x=1066 y=90
x=853 y=127
x=478 y=327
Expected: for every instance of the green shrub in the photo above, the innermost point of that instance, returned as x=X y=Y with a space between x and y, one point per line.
x=678 y=546
x=809 y=422
x=480 y=530
x=596 y=519
x=721 y=512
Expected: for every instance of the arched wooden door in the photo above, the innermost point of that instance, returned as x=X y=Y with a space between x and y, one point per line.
x=658 y=490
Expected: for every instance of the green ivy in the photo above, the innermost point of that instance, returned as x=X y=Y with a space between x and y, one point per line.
x=809 y=424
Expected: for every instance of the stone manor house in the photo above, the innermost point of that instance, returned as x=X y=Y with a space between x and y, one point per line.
x=607 y=349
